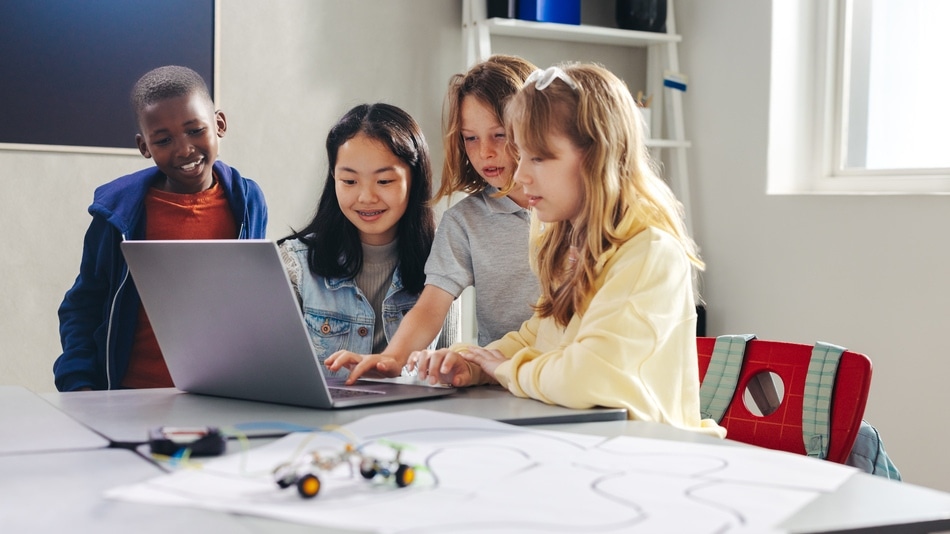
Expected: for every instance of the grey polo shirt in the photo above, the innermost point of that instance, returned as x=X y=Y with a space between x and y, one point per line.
x=483 y=242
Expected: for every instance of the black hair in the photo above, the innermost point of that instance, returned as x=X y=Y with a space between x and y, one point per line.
x=334 y=249
x=166 y=82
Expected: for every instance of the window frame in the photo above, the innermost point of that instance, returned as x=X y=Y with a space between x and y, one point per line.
x=809 y=56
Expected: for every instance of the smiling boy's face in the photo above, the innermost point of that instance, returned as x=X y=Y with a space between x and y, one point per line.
x=181 y=134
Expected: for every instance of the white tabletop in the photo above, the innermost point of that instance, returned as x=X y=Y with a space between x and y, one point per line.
x=63 y=492
x=31 y=424
x=865 y=503
x=125 y=416
x=31 y=481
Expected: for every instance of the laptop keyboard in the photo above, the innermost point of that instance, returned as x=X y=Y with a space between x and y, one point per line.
x=344 y=393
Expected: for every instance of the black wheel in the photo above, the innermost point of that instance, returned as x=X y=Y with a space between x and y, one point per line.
x=405 y=475
x=284 y=476
x=308 y=486
x=368 y=470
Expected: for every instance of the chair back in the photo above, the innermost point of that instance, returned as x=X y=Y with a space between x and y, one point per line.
x=780 y=419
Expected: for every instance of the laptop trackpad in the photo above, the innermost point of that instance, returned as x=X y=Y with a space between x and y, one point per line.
x=339 y=391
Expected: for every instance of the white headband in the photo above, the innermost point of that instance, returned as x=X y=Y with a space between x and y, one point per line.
x=543 y=78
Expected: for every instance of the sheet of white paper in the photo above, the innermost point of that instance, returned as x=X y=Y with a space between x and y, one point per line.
x=476 y=475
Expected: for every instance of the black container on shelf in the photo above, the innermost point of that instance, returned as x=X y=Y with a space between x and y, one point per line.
x=505 y=9
x=642 y=15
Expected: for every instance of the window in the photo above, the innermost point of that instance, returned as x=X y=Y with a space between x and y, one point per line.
x=867 y=79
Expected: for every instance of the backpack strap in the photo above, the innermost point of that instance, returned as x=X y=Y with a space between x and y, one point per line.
x=816 y=404
x=722 y=375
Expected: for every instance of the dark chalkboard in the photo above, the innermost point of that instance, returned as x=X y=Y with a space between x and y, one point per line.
x=67 y=66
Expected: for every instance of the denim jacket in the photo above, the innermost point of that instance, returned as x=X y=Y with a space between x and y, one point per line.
x=338 y=315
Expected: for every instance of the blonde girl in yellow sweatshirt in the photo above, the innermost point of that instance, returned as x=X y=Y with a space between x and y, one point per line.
x=616 y=322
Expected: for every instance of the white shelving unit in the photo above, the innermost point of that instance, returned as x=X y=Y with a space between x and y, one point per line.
x=662 y=57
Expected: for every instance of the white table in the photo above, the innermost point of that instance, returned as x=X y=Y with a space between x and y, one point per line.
x=75 y=480
x=125 y=416
x=31 y=424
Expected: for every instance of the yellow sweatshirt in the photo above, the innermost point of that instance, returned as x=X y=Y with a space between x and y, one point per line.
x=634 y=347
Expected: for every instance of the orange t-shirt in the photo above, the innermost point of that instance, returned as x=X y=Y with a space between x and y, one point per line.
x=203 y=215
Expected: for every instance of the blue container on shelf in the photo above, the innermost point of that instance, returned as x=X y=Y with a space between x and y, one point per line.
x=561 y=11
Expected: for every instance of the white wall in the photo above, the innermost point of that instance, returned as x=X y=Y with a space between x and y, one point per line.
x=864 y=272
x=288 y=70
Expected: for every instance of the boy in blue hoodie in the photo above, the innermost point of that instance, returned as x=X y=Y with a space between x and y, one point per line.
x=106 y=336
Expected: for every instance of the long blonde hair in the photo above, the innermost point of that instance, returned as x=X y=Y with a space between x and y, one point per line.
x=623 y=192
x=492 y=82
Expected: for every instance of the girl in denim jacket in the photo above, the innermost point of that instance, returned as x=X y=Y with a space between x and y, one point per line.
x=480 y=236
x=358 y=266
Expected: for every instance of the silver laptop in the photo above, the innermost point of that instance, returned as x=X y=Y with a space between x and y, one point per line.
x=227 y=321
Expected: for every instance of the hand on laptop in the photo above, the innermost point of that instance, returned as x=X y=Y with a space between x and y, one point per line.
x=364 y=365
x=443 y=366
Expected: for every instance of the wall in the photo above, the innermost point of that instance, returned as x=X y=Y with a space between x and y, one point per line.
x=288 y=70
x=860 y=271
x=863 y=271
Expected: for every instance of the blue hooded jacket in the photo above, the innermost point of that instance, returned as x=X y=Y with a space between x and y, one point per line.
x=99 y=314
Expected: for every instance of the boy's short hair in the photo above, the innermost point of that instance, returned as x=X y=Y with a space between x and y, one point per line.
x=166 y=82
